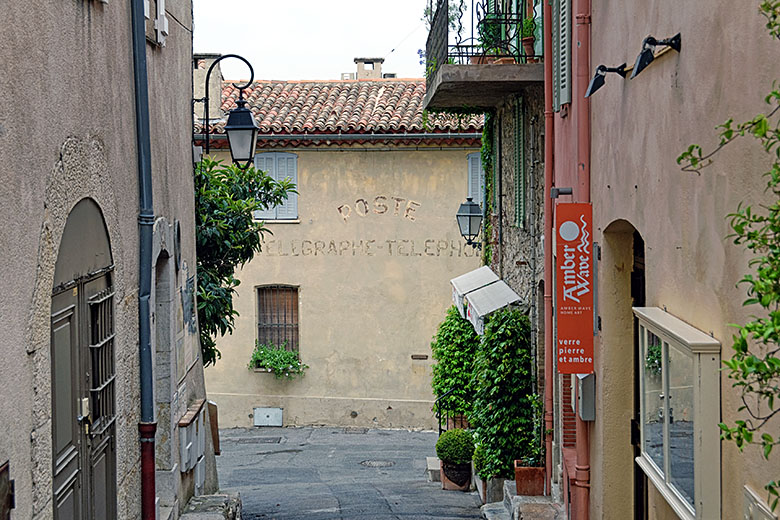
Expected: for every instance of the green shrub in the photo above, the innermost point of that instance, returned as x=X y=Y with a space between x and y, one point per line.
x=479 y=458
x=454 y=347
x=455 y=446
x=529 y=26
x=506 y=414
x=282 y=362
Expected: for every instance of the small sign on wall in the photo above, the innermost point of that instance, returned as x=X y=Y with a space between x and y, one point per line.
x=574 y=287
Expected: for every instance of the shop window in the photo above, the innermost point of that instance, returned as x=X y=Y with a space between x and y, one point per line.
x=277 y=316
x=680 y=404
x=279 y=166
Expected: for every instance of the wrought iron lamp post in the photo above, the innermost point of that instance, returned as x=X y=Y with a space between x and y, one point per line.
x=240 y=128
x=469 y=221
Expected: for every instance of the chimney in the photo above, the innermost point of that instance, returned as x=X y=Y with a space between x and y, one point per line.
x=369 y=68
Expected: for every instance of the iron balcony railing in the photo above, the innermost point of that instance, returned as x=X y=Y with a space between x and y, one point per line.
x=482 y=31
x=448 y=418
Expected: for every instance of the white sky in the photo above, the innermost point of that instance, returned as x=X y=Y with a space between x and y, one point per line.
x=310 y=39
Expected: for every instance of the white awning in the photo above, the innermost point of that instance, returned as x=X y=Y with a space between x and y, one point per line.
x=483 y=302
x=473 y=280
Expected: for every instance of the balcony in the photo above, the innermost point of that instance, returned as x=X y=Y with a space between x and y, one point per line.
x=480 y=51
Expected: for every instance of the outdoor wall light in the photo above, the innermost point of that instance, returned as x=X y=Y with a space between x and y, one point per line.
x=646 y=56
x=598 y=78
x=469 y=221
x=240 y=127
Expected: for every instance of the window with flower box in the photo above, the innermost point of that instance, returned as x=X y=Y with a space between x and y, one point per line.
x=680 y=407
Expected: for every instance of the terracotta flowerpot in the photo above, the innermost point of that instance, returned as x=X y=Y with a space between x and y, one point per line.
x=528 y=47
x=457 y=421
x=455 y=477
x=529 y=481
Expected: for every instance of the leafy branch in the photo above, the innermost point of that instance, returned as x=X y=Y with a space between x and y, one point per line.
x=754 y=367
x=227 y=236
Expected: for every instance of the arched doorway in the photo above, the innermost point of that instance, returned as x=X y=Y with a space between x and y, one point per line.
x=83 y=370
x=622 y=286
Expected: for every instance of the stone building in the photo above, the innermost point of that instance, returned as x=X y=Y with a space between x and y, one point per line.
x=85 y=367
x=360 y=259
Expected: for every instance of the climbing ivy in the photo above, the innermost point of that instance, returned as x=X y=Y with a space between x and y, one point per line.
x=487 y=156
x=755 y=364
x=454 y=347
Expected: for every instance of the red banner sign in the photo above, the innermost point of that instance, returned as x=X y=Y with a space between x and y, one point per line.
x=574 y=287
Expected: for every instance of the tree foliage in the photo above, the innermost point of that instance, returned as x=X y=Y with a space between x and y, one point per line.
x=227 y=236
x=506 y=411
x=454 y=347
x=755 y=364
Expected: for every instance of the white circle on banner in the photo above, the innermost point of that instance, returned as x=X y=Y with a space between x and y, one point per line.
x=569 y=230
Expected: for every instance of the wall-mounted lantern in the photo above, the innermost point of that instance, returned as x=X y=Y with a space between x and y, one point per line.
x=598 y=79
x=647 y=55
x=469 y=221
x=240 y=128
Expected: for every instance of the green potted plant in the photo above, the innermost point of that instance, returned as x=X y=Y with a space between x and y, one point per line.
x=454 y=347
x=503 y=414
x=528 y=39
x=529 y=468
x=455 y=448
x=478 y=463
x=282 y=363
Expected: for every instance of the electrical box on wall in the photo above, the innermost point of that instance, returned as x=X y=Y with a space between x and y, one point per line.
x=586 y=396
x=267 y=416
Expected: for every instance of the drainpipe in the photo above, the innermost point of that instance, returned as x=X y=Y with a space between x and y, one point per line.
x=548 y=252
x=147 y=427
x=583 y=24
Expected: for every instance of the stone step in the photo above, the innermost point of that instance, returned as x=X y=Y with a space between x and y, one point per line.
x=529 y=507
x=432 y=469
x=494 y=511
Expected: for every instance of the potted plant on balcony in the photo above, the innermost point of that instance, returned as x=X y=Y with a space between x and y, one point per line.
x=282 y=363
x=455 y=448
x=527 y=39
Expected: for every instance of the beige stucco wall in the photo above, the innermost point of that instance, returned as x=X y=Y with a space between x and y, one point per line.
x=373 y=289
x=67 y=131
x=639 y=127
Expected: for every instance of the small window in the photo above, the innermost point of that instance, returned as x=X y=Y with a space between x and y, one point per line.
x=277 y=316
x=279 y=166
x=680 y=403
x=476 y=178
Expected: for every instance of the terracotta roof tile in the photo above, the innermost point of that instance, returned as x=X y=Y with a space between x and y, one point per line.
x=341 y=106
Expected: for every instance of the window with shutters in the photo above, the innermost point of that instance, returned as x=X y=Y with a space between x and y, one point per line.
x=277 y=316
x=562 y=36
x=279 y=166
x=156 y=21
x=476 y=178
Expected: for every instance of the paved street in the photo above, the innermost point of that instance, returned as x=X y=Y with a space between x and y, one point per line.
x=336 y=473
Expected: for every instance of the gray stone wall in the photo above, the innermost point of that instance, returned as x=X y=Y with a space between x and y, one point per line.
x=518 y=220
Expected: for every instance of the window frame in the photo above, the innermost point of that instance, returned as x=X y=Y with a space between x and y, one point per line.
x=704 y=350
x=292 y=198
x=296 y=325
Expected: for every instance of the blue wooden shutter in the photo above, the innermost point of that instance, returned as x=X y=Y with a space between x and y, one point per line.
x=265 y=162
x=287 y=168
x=476 y=178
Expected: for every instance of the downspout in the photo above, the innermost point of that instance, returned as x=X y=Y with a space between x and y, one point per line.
x=147 y=427
x=582 y=467
x=548 y=251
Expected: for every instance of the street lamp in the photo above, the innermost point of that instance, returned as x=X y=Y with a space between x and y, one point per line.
x=240 y=128
x=469 y=221
x=598 y=79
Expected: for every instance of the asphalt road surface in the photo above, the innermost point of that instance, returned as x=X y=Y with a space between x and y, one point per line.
x=336 y=473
